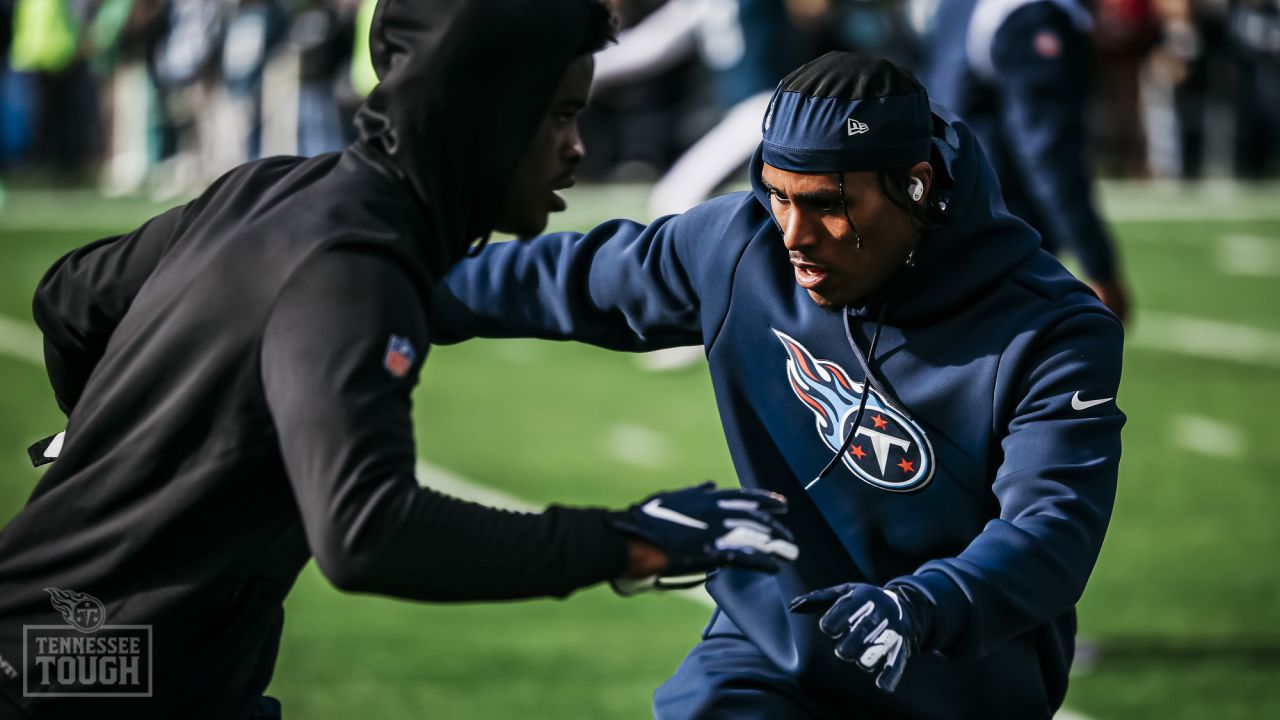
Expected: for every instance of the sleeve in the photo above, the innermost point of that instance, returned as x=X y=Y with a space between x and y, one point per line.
x=1055 y=486
x=1042 y=64
x=340 y=354
x=658 y=43
x=622 y=285
x=83 y=297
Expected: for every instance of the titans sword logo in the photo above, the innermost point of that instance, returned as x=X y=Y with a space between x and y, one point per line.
x=889 y=450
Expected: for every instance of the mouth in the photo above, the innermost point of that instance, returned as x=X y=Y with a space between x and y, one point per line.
x=808 y=275
x=564 y=182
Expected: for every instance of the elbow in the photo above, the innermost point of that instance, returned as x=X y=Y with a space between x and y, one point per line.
x=346 y=571
x=344 y=564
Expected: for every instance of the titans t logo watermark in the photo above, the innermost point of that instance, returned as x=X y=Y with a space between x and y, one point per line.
x=889 y=449
x=86 y=657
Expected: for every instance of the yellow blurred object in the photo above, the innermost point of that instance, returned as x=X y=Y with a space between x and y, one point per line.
x=44 y=36
x=363 y=77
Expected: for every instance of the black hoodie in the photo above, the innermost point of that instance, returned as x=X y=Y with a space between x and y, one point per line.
x=237 y=376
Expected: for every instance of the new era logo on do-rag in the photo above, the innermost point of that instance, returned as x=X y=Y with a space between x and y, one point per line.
x=857 y=128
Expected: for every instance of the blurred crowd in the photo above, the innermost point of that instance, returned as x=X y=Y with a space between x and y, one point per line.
x=162 y=96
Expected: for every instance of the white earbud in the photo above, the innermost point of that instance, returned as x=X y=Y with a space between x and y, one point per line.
x=917 y=189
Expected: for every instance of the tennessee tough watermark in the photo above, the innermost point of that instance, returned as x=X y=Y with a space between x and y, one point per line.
x=85 y=657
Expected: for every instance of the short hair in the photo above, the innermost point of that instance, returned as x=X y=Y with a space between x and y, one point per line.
x=602 y=28
x=850 y=76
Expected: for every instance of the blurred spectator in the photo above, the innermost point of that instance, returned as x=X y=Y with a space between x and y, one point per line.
x=165 y=95
x=1019 y=73
x=1125 y=32
x=323 y=36
x=634 y=130
x=747 y=44
x=876 y=27
x=1254 y=27
x=47 y=38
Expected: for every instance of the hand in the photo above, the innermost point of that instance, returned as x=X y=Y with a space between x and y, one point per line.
x=873 y=626
x=701 y=528
x=1115 y=296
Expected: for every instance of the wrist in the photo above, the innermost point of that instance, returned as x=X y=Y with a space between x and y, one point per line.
x=918 y=608
x=644 y=559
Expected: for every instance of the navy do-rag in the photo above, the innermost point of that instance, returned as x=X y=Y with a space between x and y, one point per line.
x=845 y=113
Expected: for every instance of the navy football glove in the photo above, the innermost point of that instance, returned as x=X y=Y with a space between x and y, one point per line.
x=702 y=528
x=874 y=627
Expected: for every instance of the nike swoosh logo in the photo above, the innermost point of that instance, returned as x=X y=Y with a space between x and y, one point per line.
x=654 y=509
x=1078 y=404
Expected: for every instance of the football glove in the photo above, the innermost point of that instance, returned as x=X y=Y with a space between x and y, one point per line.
x=874 y=627
x=702 y=528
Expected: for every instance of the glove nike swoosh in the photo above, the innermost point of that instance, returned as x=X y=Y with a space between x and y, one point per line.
x=654 y=509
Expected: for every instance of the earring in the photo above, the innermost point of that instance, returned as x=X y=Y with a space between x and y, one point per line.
x=911 y=258
x=858 y=238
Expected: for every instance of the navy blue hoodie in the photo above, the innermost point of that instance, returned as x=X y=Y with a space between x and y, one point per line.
x=985 y=469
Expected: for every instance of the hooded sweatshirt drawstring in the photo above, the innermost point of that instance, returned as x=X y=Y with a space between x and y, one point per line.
x=867 y=382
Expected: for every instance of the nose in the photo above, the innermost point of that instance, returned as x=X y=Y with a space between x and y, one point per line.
x=797 y=231
x=574 y=148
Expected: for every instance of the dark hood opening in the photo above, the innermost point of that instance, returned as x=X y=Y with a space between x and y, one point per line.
x=464 y=85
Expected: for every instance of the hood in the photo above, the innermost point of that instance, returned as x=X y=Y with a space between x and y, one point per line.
x=978 y=242
x=463 y=86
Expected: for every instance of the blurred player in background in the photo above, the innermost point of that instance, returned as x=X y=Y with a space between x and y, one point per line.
x=894 y=351
x=747 y=44
x=1019 y=74
x=237 y=376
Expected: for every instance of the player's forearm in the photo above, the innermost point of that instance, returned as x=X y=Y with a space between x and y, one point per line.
x=419 y=544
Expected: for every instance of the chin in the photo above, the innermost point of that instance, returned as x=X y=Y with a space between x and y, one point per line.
x=823 y=301
x=524 y=227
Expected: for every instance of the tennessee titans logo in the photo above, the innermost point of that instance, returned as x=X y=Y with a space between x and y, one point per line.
x=399 y=357
x=889 y=450
x=82 y=611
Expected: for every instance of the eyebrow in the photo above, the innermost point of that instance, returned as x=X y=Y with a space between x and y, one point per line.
x=827 y=197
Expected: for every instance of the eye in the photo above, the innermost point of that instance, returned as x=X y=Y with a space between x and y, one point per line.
x=773 y=193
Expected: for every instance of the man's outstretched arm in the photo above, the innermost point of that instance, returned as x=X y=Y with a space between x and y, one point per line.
x=340 y=356
x=622 y=285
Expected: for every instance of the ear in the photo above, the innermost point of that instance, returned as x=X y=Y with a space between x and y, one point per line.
x=923 y=172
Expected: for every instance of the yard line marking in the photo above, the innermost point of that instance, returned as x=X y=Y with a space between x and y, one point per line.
x=21 y=340
x=441 y=480
x=1187 y=202
x=1208 y=436
x=636 y=445
x=672 y=358
x=1201 y=337
x=1249 y=255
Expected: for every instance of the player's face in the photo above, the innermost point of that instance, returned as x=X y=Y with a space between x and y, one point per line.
x=551 y=158
x=820 y=241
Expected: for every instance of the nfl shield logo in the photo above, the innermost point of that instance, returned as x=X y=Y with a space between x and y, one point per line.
x=399 y=357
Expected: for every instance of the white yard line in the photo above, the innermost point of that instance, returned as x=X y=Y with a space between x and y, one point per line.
x=637 y=446
x=1208 y=436
x=1201 y=337
x=1191 y=202
x=1248 y=255
x=21 y=340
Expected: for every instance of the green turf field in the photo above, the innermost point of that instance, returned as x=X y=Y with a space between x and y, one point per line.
x=1181 y=620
